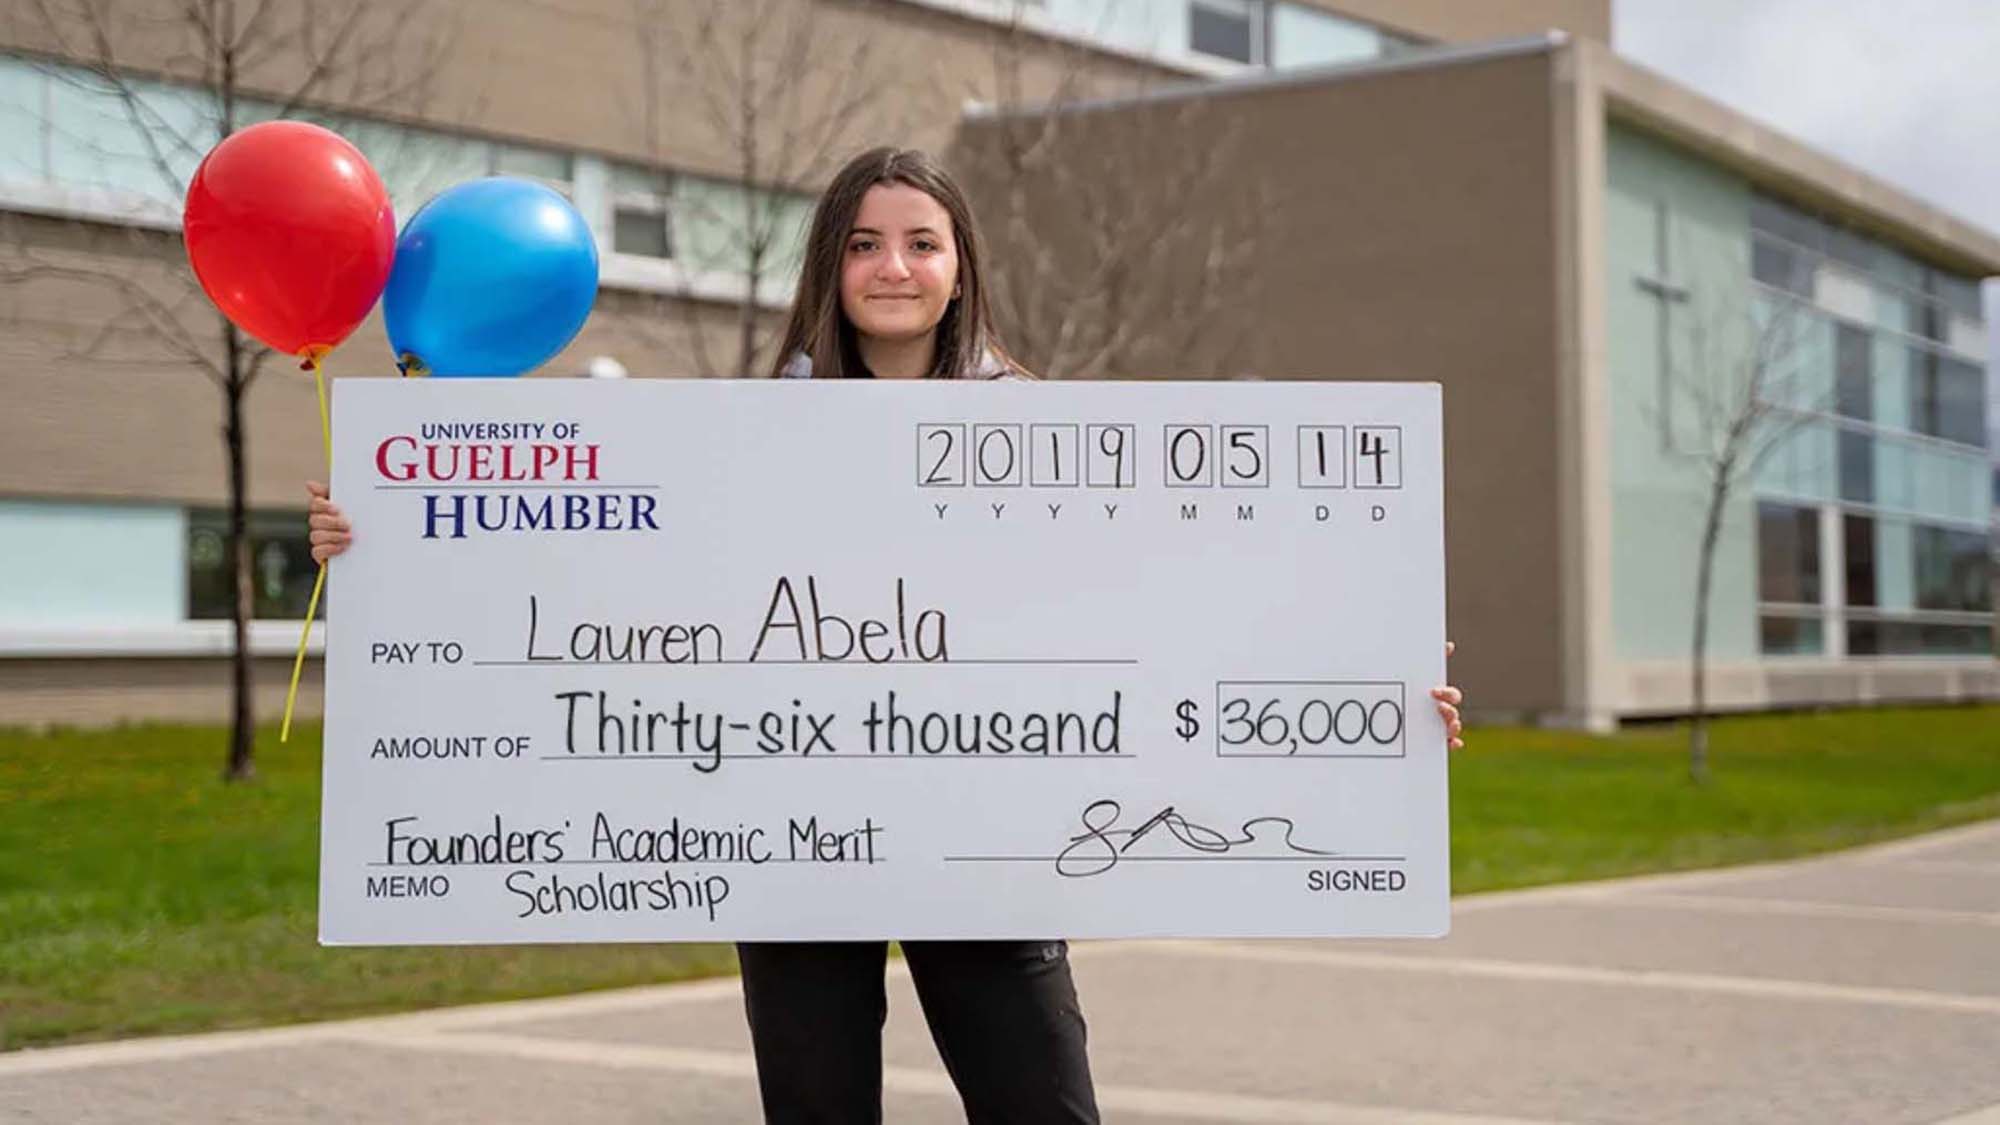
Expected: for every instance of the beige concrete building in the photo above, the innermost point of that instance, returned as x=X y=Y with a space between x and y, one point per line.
x=1442 y=191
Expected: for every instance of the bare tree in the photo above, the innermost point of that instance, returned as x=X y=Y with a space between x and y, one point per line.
x=776 y=93
x=773 y=95
x=248 y=60
x=1739 y=385
x=1101 y=234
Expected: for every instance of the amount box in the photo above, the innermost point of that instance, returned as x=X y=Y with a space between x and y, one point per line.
x=1311 y=719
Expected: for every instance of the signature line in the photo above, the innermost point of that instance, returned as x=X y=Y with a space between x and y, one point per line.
x=1191 y=859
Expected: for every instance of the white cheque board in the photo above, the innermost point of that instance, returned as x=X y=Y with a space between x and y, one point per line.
x=666 y=660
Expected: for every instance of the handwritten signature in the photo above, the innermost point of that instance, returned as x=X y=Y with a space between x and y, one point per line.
x=1097 y=849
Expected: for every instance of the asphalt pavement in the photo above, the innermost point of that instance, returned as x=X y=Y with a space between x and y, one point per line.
x=1858 y=987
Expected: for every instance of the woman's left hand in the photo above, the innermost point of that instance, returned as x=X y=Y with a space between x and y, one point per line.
x=1448 y=700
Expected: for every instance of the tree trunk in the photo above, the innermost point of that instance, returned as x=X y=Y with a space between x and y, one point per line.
x=746 y=330
x=242 y=728
x=1698 y=731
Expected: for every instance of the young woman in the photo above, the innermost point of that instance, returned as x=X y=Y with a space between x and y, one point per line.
x=892 y=288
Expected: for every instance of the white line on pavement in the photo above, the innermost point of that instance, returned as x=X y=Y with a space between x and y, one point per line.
x=170 y=1047
x=1602 y=889
x=642 y=998
x=930 y=1083
x=1801 y=908
x=1988 y=1116
x=1578 y=974
x=1942 y=866
x=1929 y=842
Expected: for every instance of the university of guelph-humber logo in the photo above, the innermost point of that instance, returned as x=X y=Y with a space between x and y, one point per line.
x=509 y=478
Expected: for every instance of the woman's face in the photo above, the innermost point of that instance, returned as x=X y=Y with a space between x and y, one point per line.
x=900 y=268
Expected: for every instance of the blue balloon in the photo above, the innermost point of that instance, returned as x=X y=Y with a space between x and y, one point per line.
x=491 y=277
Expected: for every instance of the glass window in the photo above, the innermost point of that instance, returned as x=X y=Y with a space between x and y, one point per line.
x=1957 y=294
x=1787 y=554
x=1954 y=570
x=415 y=164
x=1853 y=249
x=720 y=223
x=641 y=218
x=1853 y=373
x=550 y=167
x=92 y=142
x=1858 y=532
x=1786 y=222
x=1790 y=636
x=1958 y=640
x=1857 y=467
x=24 y=124
x=1864 y=638
x=632 y=179
x=1961 y=401
x=1924 y=317
x=1947 y=397
x=1227 y=29
x=1303 y=36
x=1781 y=265
x=1923 y=390
x=643 y=232
x=282 y=572
x=1910 y=638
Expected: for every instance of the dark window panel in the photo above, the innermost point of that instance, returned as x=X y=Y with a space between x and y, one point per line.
x=282 y=572
x=1957 y=294
x=1781 y=266
x=1858 y=532
x=1853 y=371
x=1787 y=554
x=1910 y=638
x=1857 y=467
x=1947 y=398
x=1958 y=640
x=1220 y=32
x=1864 y=638
x=1961 y=402
x=1787 y=222
x=1855 y=250
x=641 y=232
x=1924 y=391
x=1953 y=569
x=1790 y=636
x=1923 y=317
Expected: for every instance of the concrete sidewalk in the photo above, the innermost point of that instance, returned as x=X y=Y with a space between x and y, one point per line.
x=1859 y=987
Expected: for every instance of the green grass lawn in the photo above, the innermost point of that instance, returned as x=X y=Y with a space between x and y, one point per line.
x=139 y=894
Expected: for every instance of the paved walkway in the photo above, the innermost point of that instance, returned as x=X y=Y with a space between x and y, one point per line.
x=1861 y=987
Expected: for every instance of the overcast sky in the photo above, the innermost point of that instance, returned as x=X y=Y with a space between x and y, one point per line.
x=1908 y=90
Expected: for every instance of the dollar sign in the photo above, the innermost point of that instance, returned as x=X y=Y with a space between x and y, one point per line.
x=1189 y=726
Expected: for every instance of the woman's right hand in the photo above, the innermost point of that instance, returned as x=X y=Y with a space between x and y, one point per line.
x=331 y=533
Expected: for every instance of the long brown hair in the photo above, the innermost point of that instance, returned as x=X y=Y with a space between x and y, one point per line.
x=819 y=328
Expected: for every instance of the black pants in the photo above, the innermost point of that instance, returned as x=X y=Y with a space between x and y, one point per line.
x=1003 y=1014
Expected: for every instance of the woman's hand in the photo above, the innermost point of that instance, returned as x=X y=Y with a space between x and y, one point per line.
x=331 y=533
x=1448 y=698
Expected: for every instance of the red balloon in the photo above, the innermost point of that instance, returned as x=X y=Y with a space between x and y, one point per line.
x=291 y=234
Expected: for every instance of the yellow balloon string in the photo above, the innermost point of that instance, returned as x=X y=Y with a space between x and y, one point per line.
x=312 y=607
